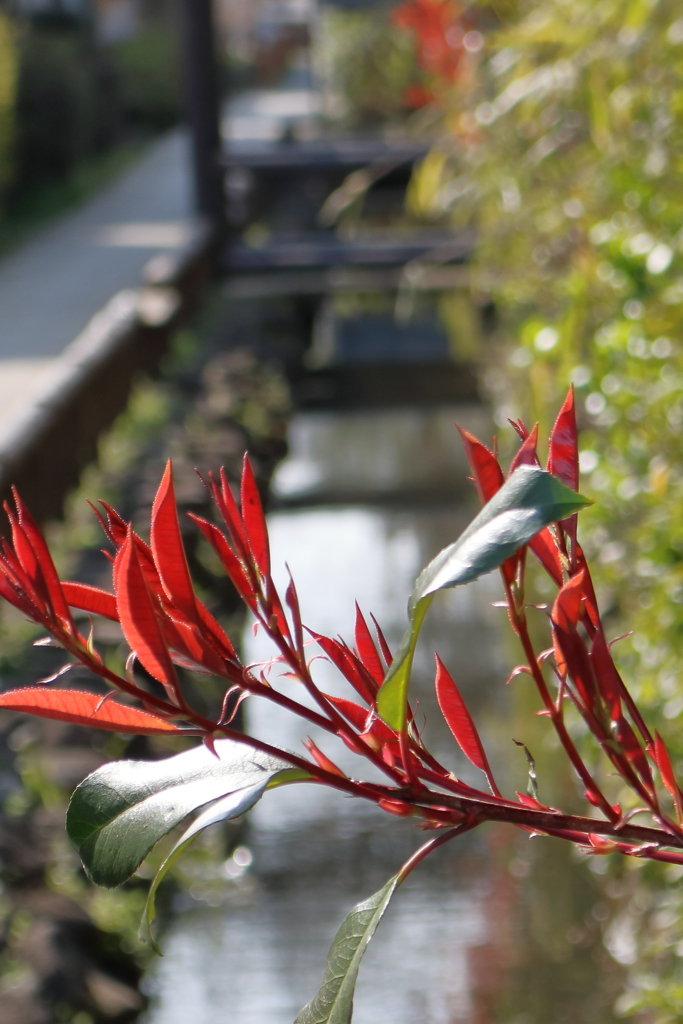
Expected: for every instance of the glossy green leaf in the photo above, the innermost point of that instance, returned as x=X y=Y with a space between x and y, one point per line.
x=333 y=1003
x=527 y=502
x=226 y=809
x=121 y=811
x=229 y=807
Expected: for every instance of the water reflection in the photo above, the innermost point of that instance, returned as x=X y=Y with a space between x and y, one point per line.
x=494 y=928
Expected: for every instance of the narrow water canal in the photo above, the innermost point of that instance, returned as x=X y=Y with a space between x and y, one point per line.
x=482 y=933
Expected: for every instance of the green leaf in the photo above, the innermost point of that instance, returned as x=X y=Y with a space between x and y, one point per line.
x=391 y=701
x=229 y=807
x=121 y=811
x=333 y=1003
x=529 y=500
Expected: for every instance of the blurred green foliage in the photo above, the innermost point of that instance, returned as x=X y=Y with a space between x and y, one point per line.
x=147 y=69
x=8 y=75
x=566 y=151
x=367 y=62
x=68 y=102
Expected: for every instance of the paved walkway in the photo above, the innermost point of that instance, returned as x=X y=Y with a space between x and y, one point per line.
x=53 y=284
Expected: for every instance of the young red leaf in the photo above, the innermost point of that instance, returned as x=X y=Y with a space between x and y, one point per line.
x=526 y=456
x=292 y=599
x=571 y=656
x=384 y=646
x=634 y=752
x=567 y=608
x=168 y=549
x=321 y=759
x=349 y=666
x=91 y=599
x=545 y=549
x=519 y=428
x=459 y=720
x=29 y=563
x=358 y=716
x=666 y=770
x=231 y=563
x=215 y=631
x=116 y=528
x=563 y=459
x=488 y=476
x=254 y=519
x=84 y=708
x=15 y=572
x=367 y=651
x=225 y=500
x=193 y=649
x=138 y=617
x=37 y=542
x=608 y=679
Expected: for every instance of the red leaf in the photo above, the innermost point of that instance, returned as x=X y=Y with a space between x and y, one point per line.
x=26 y=557
x=519 y=428
x=457 y=716
x=634 y=752
x=84 y=708
x=37 y=542
x=188 y=641
x=567 y=608
x=321 y=759
x=563 y=460
x=526 y=456
x=229 y=560
x=545 y=549
x=138 y=617
x=254 y=519
x=530 y=801
x=168 y=550
x=608 y=679
x=357 y=715
x=666 y=769
x=216 y=631
x=230 y=512
x=488 y=476
x=292 y=599
x=384 y=646
x=91 y=599
x=367 y=651
x=117 y=528
x=350 y=667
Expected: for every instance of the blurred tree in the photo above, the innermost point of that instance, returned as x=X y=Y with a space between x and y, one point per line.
x=564 y=146
x=8 y=78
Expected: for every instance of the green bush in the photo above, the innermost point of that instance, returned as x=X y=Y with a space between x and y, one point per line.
x=8 y=75
x=67 y=107
x=148 y=77
x=368 y=63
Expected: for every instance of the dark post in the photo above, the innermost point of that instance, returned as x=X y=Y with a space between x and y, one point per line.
x=202 y=107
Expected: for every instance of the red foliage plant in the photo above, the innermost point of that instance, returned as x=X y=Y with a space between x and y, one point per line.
x=165 y=625
x=444 y=37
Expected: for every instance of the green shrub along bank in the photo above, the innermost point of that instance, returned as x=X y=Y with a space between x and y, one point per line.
x=563 y=144
x=70 y=105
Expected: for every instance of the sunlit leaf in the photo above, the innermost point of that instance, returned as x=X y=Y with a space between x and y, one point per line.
x=333 y=1003
x=231 y=806
x=122 y=810
x=84 y=708
x=168 y=549
x=91 y=599
x=527 y=502
x=458 y=718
